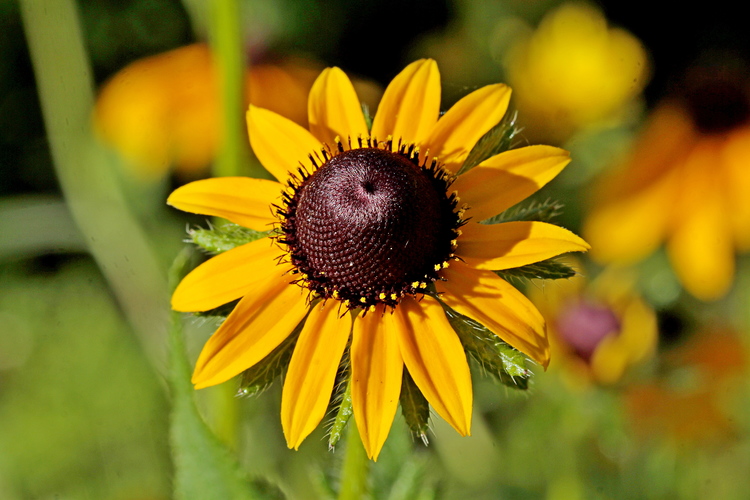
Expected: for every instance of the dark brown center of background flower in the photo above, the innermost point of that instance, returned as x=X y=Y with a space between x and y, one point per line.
x=717 y=98
x=582 y=325
x=370 y=226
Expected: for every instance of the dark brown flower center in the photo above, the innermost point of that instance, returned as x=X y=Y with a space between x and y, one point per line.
x=717 y=98
x=370 y=225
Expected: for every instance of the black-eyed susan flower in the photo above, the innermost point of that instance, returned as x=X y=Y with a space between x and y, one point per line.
x=597 y=329
x=574 y=71
x=371 y=244
x=686 y=183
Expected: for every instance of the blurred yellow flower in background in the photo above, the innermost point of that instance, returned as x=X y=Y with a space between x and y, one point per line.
x=162 y=112
x=574 y=71
x=597 y=329
x=686 y=182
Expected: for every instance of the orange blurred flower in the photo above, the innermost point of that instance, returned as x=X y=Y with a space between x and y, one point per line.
x=689 y=404
x=163 y=111
x=687 y=182
x=574 y=71
x=597 y=329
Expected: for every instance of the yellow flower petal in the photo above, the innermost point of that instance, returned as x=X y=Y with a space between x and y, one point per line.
x=514 y=244
x=227 y=276
x=259 y=323
x=435 y=359
x=630 y=228
x=735 y=155
x=410 y=105
x=334 y=109
x=279 y=143
x=493 y=302
x=636 y=340
x=377 y=369
x=312 y=372
x=700 y=248
x=502 y=181
x=459 y=129
x=242 y=200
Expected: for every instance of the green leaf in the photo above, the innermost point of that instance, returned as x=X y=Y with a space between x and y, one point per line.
x=414 y=408
x=495 y=356
x=550 y=269
x=497 y=140
x=343 y=412
x=544 y=211
x=340 y=406
x=260 y=376
x=218 y=312
x=224 y=237
x=204 y=468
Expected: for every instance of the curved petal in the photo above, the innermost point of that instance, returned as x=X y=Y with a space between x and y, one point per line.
x=735 y=156
x=312 y=372
x=637 y=339
x=459 y=129
x=279 y=143
x=627 y=229
x=493 y=302
x=334 y=109
x=514 y=244
x=259 y=323
x=227 y=276
x=377 y=369
x=242 y=200
x=701 y=249
x=410 y=105
x=502 y=181
x=435 y=359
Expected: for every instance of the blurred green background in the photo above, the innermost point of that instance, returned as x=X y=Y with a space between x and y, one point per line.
x=86 y=242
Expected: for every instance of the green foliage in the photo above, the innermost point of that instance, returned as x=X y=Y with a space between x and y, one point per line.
x=368 y=116
x=260 y=376
x=550 y=269
x=495 y=356
x=497 y=140
x=224 y=237
x=544 y=211
x=342 y=409
x=414 y=408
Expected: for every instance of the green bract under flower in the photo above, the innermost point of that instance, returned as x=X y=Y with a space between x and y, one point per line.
x=368 y=220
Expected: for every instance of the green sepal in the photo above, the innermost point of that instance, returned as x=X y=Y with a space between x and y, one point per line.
x=497 y=140
x=260 y=376
x=219 y=312
x=496 y=357
x=414 y=408
x=367 y=115
x=219 y=239
x=342 y=409
x=544 y=211
x=550 y=269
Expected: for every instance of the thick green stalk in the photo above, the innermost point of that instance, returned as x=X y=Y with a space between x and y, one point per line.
x=228 y=49
x=356 y=467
